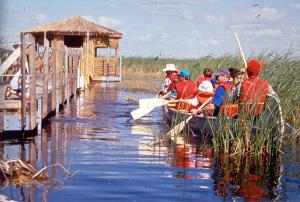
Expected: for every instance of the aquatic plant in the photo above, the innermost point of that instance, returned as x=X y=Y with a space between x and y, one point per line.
x=237 y=136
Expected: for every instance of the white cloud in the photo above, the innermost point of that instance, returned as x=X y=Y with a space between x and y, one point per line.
x=254 y=15
x=263 y=32
x=168 y=7
x=12 y=7
x=211 y=18
x=245 y=26
x=105 y=21
x=89 y=18
x=164 y=36
x=295 y=5
x=214 y=42
x=188 y=15
x=139 y=38
x=41 y=18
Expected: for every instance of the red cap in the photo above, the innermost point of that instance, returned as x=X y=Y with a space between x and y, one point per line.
x=253 y=66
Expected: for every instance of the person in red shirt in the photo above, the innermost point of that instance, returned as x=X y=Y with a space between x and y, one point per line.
x=206 y=76
x=185 y=88
x=224 y=87
x=254 y=90
x=171 y=76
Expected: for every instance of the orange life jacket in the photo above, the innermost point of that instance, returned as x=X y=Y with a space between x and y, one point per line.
x=253 y=95
x=185 y=90
x=228 y=109
x=202 y=97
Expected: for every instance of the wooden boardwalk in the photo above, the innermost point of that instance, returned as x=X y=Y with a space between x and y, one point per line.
x=53 y=76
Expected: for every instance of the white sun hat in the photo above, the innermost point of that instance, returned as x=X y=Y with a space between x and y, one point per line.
x=170 y=67
x=206 y=86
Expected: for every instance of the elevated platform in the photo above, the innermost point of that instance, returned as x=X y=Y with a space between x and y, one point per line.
x=107 y=79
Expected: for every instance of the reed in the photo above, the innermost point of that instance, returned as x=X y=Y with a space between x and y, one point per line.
x=281 y=71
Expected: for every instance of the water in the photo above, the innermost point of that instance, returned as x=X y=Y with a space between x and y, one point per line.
x=113 y=159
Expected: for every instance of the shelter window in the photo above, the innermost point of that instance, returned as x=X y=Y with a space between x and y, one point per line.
x=104 y=52
x=74 y=41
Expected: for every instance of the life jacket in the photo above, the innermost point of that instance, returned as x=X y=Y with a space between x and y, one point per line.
x=185 y=90
x=202 y=97
x=202 y=78
x=228 y=109
x=253 y=95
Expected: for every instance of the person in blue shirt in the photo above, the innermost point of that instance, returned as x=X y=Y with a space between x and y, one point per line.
x=224 y=86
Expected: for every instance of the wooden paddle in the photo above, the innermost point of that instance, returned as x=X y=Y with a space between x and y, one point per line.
x=179 y=127
x=147 y=105
x=241 y=50
x=140 y=112
x=154 y=102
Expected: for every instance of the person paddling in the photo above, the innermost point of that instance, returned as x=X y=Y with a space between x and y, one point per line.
x=171 y=76
x=185 y=88
x=253 y=91
x=224 y=87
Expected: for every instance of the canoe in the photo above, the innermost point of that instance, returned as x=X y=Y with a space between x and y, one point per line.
x=206 y=125
x=200 y=125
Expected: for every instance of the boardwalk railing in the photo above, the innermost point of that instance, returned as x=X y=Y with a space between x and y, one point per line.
x=49 y=74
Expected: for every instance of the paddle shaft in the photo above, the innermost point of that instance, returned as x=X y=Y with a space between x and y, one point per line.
x=178 y=128
x=241 y=50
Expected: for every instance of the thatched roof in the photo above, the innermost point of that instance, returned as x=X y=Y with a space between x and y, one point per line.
x=74 y=26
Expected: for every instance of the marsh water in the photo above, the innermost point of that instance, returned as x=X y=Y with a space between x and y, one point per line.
x=110 y=157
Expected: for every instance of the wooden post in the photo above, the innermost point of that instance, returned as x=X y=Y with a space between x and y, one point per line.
x=33 y=104
x=53 y=94
x=46 y=78
x=66 y=74
x=23 y=72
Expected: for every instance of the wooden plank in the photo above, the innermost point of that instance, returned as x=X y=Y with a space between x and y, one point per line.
x=23 y=72
x=53 y=80
x=45 y=83
x=32 y=71
x=10 y=60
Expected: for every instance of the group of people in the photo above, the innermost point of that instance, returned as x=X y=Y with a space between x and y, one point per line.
x=227 y=90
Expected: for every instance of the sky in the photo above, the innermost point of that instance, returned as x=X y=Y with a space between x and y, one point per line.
x=170 y=28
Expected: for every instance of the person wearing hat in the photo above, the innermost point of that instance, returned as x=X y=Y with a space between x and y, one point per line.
x=205 y=91
x=253 y=91
x=224 y=86
x=171 y=76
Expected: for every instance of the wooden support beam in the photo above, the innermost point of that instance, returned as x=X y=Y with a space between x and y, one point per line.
x=54 y=74
x=46 y=81
x=33 y=100
x=23 y=72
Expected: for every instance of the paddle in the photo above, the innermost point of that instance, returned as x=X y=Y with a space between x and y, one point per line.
x=147 y=105
x=140 y=112
x=154 y=102
x=178 y=128
x=241 y=50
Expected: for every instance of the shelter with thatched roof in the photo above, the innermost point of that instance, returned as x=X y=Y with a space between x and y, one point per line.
x=100 y=46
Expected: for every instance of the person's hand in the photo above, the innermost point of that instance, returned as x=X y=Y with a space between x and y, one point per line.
x=194 y=111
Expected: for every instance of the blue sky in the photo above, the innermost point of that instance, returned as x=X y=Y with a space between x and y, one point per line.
x=170 y=28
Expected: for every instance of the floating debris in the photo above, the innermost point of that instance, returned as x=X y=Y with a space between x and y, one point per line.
x=19 y=172
x=130 y=99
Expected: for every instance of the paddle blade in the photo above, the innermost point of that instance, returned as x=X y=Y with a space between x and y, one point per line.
x=140 y=112
x=177 y=129
x=152 y=102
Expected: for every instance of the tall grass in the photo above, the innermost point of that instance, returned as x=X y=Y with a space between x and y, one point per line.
x=281 y=71
x=237 y=136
